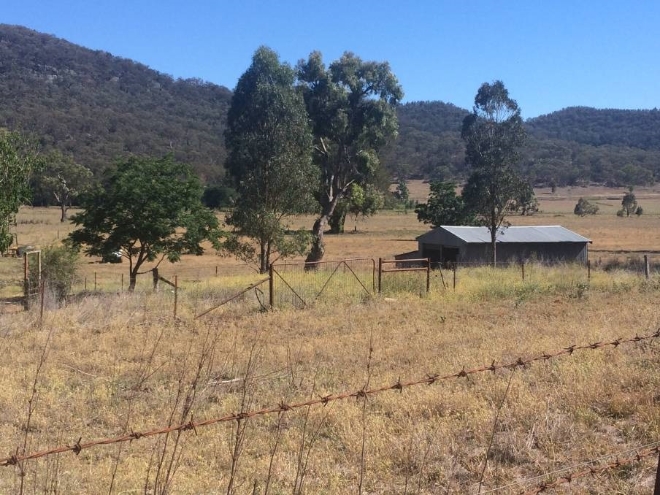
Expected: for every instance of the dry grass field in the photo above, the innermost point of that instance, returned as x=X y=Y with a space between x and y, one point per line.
x=112 y=364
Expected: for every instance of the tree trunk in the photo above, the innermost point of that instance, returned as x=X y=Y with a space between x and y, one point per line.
x=337 y=221
x=63 y=208
x=493 y=244
x=132 y=279
x=318 y=246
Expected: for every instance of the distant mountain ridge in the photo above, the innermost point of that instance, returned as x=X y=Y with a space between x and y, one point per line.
x=99 y=108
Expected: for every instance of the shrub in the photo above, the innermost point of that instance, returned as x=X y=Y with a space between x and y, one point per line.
x=585 y=207
x=59 y=267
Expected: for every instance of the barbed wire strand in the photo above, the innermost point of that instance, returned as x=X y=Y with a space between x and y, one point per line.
x=77 y=447
x=593 y=471
x=528 y=481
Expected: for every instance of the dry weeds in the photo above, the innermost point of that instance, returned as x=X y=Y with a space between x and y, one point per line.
x=115 y=363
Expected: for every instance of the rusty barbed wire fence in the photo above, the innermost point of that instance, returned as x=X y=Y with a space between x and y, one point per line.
x=595 y=471
x=429 y=379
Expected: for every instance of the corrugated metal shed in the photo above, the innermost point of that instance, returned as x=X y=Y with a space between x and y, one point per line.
x=518 y=234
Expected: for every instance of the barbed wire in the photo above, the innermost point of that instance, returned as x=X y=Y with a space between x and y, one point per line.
x=430 y=379
x=564 y=469
x=593 y=470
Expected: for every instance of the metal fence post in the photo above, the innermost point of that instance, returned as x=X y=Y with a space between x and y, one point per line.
x=589 y=270
x=380 y=274
x=522 y=269
x=646 y=266
x=656 y=491
x=271 y=287
x=453 y=267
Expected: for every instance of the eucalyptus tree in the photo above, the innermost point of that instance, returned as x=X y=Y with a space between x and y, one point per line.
x=351 y=104
x=493 y=135
x=269 y=144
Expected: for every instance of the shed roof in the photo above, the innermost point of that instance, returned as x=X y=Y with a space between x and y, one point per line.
x=520 y=234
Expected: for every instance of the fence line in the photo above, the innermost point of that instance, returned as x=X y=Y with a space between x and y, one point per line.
x=430 y=379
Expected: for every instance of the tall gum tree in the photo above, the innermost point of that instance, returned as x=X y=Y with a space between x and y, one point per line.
x=351 y=105
x=269 y=145
x=493 y=135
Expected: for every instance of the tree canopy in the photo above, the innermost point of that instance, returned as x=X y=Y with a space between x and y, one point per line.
x=269 y=143
x=147 y=209
x=444 y=206
x=351 y=105
x=18 y=158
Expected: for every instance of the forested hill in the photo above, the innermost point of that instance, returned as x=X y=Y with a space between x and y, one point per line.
x=99 y=107
x=633 y=128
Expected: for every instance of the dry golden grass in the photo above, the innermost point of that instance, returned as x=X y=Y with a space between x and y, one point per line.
x=117 y=363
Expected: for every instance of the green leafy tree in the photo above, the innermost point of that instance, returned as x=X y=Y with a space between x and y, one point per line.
x=269 y=142
x=59 y=269
x=585 y=207
x=493 y=135
x=444 y=206
x=360 y=202
x=525 y=202
x=18 y=158
x=146 y=209
x=63 y=179
x=352 y=107
x=629 y=203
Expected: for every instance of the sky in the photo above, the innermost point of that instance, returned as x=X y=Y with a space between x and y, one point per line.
x=550 y=54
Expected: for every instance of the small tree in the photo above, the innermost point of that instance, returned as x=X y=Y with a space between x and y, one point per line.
x=18 y=158
x=629 y=203
x=64 y=179
x=585 y=207
x=59 y=269
x=443 y=206
x=147 y=208
x=493 y=135
x=359 y=202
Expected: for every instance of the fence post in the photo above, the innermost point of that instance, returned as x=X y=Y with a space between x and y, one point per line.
x=646 y=266
x=216 y=270
x=26 y=282
x=453 y=267
x=94 y=281
x=380 y=274
x=271 y=287
x=122 y=282
x=589 y=270
x=656 y=491
x=176 y=293
x=41 y=307
x=428 y=275
x=522 y=269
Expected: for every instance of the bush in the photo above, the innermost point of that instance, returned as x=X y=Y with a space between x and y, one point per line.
x=585 y=207
x=59 y=268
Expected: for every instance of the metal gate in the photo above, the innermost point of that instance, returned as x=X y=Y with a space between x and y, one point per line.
x=302 y=284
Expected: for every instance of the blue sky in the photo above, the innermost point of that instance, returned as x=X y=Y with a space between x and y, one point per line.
x=550 y=54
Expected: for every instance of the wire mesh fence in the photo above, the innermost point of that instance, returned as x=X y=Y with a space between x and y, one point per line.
x=301 y=284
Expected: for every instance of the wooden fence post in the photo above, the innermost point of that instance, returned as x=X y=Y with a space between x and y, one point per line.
x=216 y=270
x=176 y=293
x=122 y=282
x=428 y=275
x=453 y=267
x=522 y=269
x=94 y=281
x=41 y=308
x=589 y=270
x=646 y=266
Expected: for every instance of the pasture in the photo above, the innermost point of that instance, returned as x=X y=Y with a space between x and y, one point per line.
x=112 y=365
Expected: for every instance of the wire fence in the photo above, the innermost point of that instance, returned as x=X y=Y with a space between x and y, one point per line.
x=363 y=393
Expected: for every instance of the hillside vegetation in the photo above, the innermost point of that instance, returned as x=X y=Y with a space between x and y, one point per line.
x=98 y=108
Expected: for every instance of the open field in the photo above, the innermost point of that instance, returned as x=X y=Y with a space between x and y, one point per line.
x=113 y=364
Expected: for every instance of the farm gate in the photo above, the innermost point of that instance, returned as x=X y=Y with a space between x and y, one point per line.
x=301 y=284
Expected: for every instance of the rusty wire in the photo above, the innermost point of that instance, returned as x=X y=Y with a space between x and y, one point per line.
x=430 y=379
x=593 y=470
